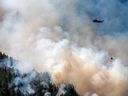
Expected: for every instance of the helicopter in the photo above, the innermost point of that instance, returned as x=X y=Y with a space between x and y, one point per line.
x=97 y=21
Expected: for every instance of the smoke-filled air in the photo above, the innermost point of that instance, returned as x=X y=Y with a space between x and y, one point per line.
x=81 y=42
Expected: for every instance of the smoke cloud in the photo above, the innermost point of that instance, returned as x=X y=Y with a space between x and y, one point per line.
x=59 y=37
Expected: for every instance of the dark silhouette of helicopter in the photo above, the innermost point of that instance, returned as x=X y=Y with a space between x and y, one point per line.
x=97 y=21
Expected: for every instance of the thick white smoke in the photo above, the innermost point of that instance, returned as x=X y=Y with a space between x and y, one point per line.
x=51 y=36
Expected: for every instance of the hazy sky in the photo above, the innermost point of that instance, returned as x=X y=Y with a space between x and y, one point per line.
x=113 y=12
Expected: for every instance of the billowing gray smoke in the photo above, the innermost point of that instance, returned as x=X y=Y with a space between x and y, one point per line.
x=13 y=83
x=59 y=37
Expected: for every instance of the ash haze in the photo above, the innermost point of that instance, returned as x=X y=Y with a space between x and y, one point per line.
x=59 y=37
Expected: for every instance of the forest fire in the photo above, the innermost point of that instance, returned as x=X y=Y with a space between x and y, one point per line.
x=56 y=50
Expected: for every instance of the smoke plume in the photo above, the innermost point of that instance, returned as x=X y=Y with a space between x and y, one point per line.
x=59 y=37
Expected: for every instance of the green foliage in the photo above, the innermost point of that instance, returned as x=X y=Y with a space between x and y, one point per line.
x=3 y=56
x=5 y=80
x=12 y=83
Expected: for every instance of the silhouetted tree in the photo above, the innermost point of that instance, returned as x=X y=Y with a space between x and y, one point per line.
x=12 y=82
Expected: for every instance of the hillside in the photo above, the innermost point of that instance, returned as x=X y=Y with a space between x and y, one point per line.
x=12 y=83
